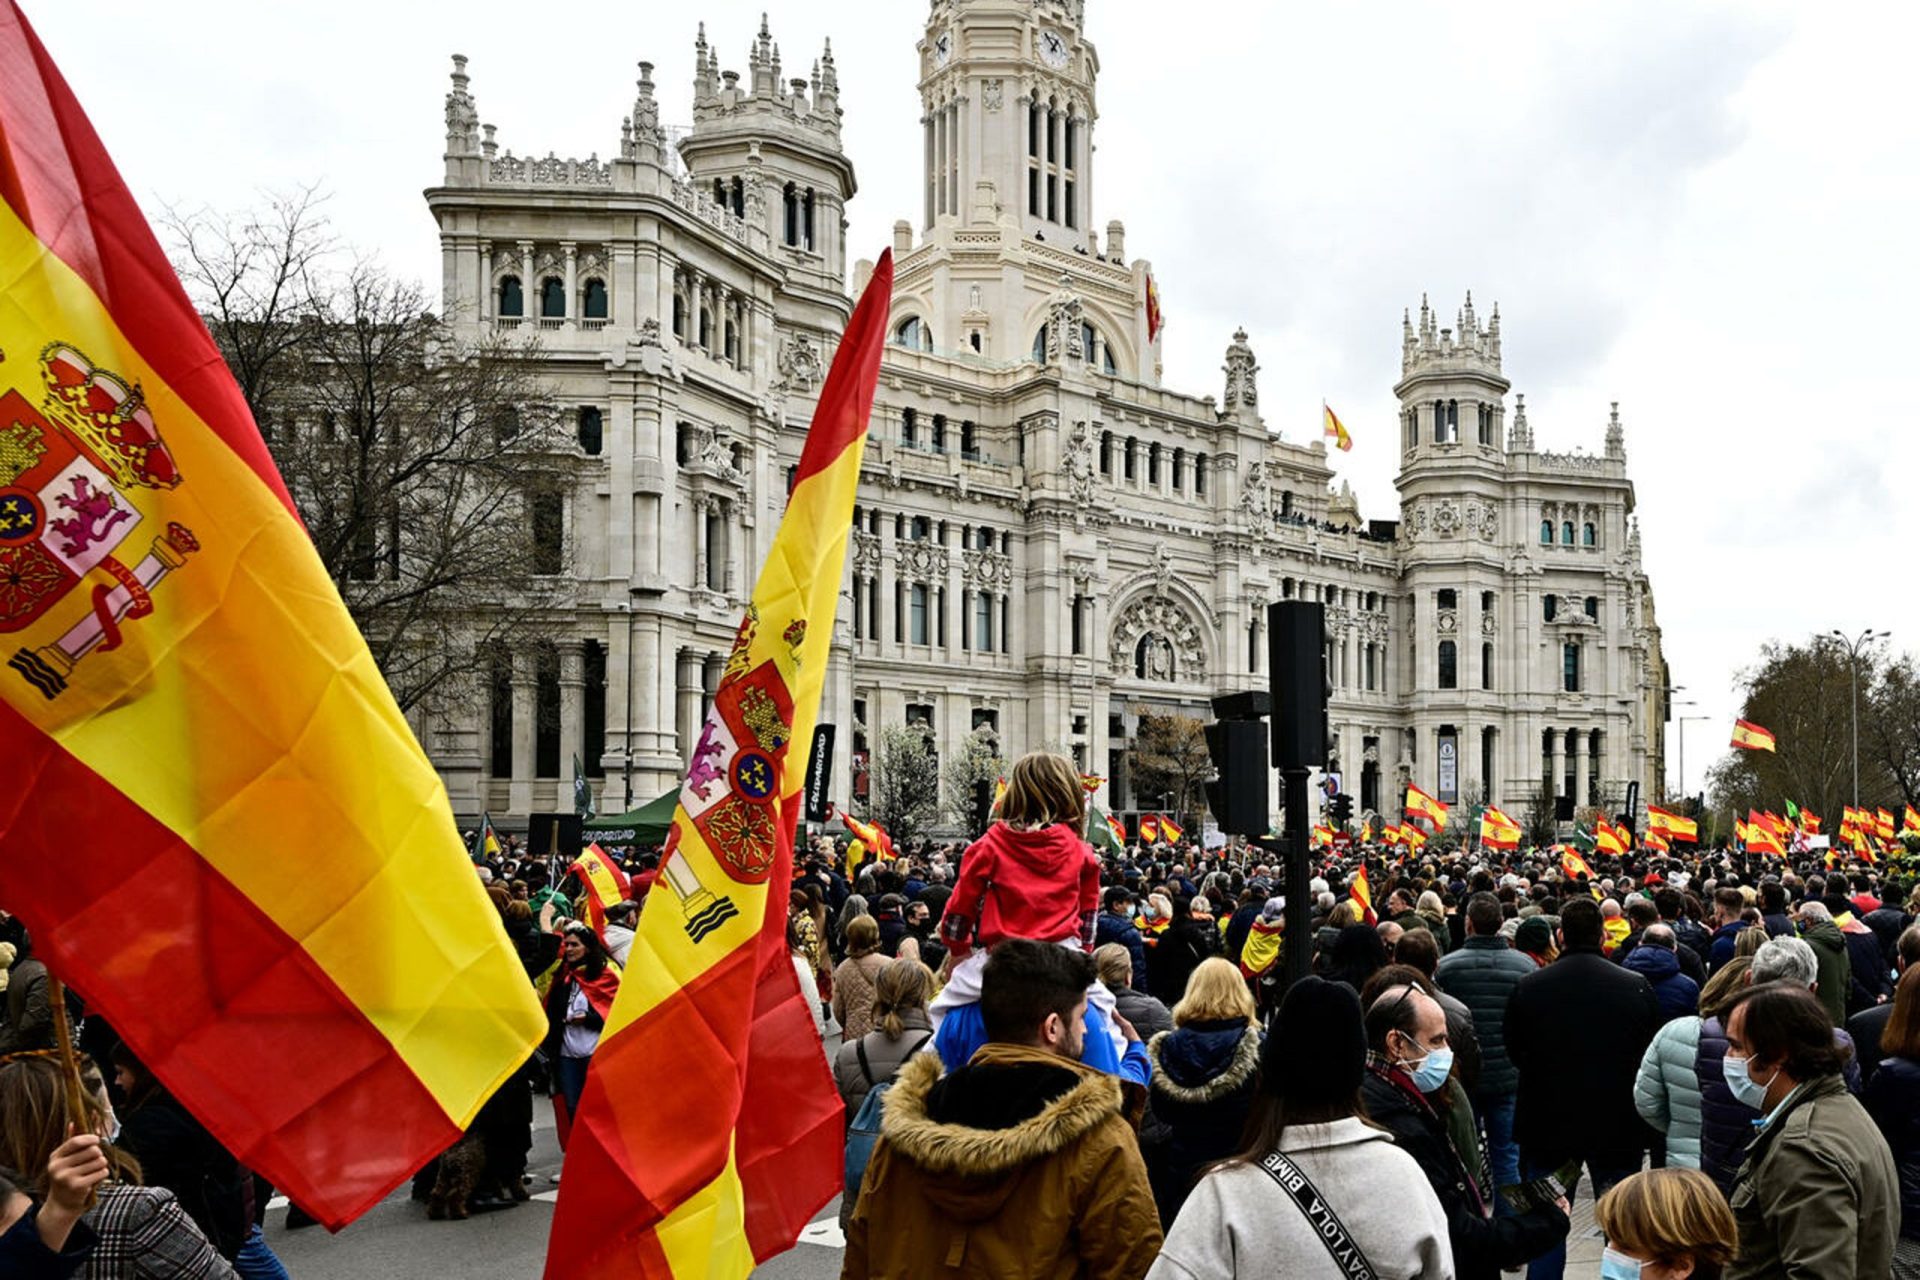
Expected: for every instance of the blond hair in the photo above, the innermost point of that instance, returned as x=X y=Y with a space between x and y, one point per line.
x=1345 y=915
x=863 y=936
x=1043 y=789
x=1115 y=964
x=1215 y=993
x=1670 y=1216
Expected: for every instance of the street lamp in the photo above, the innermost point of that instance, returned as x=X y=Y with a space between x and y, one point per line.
x=1854 y=649
x=1682 y=722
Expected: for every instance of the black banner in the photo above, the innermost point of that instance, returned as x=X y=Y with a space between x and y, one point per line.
x=820 y=773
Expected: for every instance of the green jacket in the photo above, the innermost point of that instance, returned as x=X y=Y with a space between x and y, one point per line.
x=1818 y=1197
x=1835 y=973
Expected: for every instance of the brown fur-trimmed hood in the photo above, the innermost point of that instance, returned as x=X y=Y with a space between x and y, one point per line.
x=961 y=1150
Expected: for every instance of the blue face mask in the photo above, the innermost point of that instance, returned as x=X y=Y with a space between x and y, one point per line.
x=1432 y=1071
x=1742 y=1086
x=1618 y=1266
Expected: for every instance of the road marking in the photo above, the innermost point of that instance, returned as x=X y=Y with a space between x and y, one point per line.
x=824 y=1232
x=550 y=1197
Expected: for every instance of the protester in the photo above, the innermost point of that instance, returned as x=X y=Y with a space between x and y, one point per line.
x=1314 y=1188
x=1202 y=1084
x=618 y=935
x=1018 y=1164
x=1187 y=941
x=1421 y=952
x=1657 y=960
x=1408 y=1062
x=1148 y=1016
x=1482 y=975
x=1668 y=1089
x=1867 y=1026
x=1577 y=1030
x=801 y=955
x=1115 y=925
x=1666 y=1224
x=46 y=1240
x=1817 y=1194
x=1893 y=1100
x=1830 y=949
x=855 y=979
x=1357 y=955
x=140 y=1232
x=577 y=1006
x=1727 y=925
x=29 y=1025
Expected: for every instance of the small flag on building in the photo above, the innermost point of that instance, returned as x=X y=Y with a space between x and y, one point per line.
x=1155 y=320
x=1336 y=430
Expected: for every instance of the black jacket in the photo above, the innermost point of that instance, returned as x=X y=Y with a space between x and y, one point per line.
x=1576 y=1031
x=1179 y=952
x=1482 y=1245
x=175 y=1151
x=1202 y=1086
x=1108 y=927
x=1893 y=1100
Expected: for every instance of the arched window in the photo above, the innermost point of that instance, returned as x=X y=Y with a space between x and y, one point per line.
x=914 y=334
x=1107 y=364
x=1040 y=346
x=679 y=317
x=1286 y=504
x=1546 y=533
x=1449 y=665
x=1127 y=458
x=732 y=342
x=1566 y=534
x=790 y=215
x=1486 y=666
x=1153 y=463
x=593 y=303
x=590 y=429
x=1589 y=536
x=1153 y=658
x=553 y=298
x=1179 y=469
x=806 y=221
x=512 y=302
x=1087 y=338
x=739 y=201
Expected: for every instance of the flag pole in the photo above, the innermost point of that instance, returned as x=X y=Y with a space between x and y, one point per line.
x=71 y=1084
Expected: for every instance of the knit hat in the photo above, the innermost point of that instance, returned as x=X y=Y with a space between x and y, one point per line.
x=1317 y=1052
x=1534 y=935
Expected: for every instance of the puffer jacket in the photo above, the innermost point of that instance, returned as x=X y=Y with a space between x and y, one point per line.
x=1893 y=1100
x=1667 y=1090
x=1018 y=1166
x=1148 y=1016
x=1835 y=971
x=1197 y=1101
x=1678 y=994
x=885 y=1056
x=1481 y=975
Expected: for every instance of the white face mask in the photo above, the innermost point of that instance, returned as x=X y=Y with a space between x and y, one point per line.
x=1618 y=1266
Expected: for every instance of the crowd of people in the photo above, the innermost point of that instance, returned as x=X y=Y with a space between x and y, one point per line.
x=1058 y=1063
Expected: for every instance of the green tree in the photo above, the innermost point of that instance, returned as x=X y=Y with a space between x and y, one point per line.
x=904 y=791
x=977 y=762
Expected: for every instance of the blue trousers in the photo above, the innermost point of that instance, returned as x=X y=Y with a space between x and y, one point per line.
x=1503 y=1153
x=255 y=1261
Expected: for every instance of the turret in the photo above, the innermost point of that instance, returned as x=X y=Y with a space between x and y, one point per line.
x=1452 y=392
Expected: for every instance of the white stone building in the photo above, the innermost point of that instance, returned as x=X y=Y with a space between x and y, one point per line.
x=1048 y=541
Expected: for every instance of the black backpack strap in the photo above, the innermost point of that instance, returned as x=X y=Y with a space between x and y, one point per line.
x=1326 y=1224
x=860 y=1052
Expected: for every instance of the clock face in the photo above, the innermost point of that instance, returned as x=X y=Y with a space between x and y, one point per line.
x=942 y=48
x=1053 y=50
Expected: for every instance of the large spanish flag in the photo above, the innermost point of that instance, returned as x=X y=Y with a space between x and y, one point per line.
x=213 y=817
x=1498 y=831
x=1427 y=807
x=1751 y=736
x=710 y=1131
x=1672 y=825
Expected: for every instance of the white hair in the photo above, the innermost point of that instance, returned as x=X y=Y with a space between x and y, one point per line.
x=1816 y=911
x=1785 y=960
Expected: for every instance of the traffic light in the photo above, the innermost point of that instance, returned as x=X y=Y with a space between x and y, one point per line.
x=1297 y=665
x=1238 y=796
x=1341 y=808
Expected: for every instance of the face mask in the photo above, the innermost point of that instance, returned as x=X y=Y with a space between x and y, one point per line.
x=1743 y=1086
x=1618 y=1266
x=1432 y=1071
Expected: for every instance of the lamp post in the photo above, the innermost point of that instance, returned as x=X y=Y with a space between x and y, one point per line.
x=1670 y=690
x=1854 y=649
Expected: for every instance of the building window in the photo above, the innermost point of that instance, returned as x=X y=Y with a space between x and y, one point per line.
x=1200 y=475
x=1127 y=467
x=546 y=712
x=1486 y=602
x=1589 y=536
x=914 y=335
x=1371 y=660
x=1546 y=533
x=1106 y=453
x=1570 y=666
x=969 y=447
x=939 y=433
x=1486 y=666
x=1487 y=436
x=921 y=529
x=593 y=305
x=1179 y=469
x=512 y=303
x=1448 y=598
x=549 y=531
x=1592 y=607
x=590 y=430
x=1566 y=534
x=1449 y=665
x=500 y=719
x=679 y=317
x=1153 y=464
x=716 y=549
x=1549 y=607
x=553 y=299
x=1079 y=625
x=909 y=422
x=983 y=622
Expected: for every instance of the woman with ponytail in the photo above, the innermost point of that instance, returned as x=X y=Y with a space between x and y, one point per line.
x=900 y=1028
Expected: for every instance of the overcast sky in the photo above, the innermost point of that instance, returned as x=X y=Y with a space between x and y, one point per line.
x=1707 y=212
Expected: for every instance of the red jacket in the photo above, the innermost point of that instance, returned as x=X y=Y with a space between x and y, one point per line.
x=1043 y=885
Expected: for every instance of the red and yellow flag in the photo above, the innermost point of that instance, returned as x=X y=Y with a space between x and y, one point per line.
x=1089 y=783
x=1149 y=829
x=1413 y=837
x=874 y=836
x=607 y=885
x=1761 y=838
x=1810 y=822
x=1320 y=837
x=1751 y=736
x=1361 y=892
x=1883 y=824
x=1334 y=429
x=216 y=822
x=1610 y=839
x=1573 y=866
x=1427 y=807
x=1671 y=825
x=1498 y=831
x=1391 y=835
x=1657 y=841
x=1155 y=320
x=1910 y=824
x=1171 y=831
x=710 y=1131
x=1117 y=829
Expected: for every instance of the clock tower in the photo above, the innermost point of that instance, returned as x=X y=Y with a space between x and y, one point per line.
x=1007 y=90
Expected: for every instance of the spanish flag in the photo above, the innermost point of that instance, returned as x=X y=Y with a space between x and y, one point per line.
x=1413 y=837
x=215 y=820
x=1320 y=838
x=1656 y=841
x=1498 y=831
x=1610 y=839
x=1751 y=736
x=1761 y=839
x=1362 y=893
x=1334 y=429
x=1392 y=834
x=710 y=1131
x=1809 y=822
x=1089 y=782
x=872 y=834
x=1883 y=824
x=1910 y=824
x=1573 y=866
x=1171 y=831
x=1155 y=320
x=1116 y=829
x=1672 y=825
x=606 y=885
x=1149 y=829
x=1427 y=807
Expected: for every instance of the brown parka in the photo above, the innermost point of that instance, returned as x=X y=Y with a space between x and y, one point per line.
x=1058 y=1194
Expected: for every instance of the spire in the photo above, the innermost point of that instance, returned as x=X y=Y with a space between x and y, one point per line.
x=703 y=78
x=1243 y=393
x=760 y=63
x=645 y=129
x=463 y=118
x=1520 y=435
x=1616 y=435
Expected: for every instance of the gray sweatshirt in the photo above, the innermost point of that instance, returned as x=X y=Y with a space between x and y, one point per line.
x=1238 y=1222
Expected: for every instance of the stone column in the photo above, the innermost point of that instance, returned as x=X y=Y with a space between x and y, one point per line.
x=573 y=691
x=1584 y=763
x=686 y=709
x=1559 y=761
x=700 y=548
x=520 y=794
x=529 y=286
x=571 y=251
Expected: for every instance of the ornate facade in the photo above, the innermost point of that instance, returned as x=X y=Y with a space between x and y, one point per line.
x=1049 y=541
